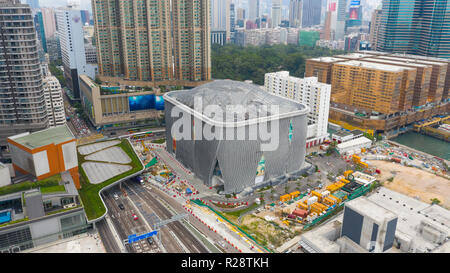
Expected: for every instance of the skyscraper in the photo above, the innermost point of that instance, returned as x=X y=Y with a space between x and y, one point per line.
x=311 y=13
x=39 y=24
x=135 y=40
x=70 y=33
x=34 y=4
x=340 y=19
x=295 y=13
x=420 y=27
x=375 y=24
x=220 y=16
x=48 y=16
x=276 y=13
x=253 y=9
x=22 y=104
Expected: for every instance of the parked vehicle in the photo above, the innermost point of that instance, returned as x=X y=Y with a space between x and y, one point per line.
x=121 y=206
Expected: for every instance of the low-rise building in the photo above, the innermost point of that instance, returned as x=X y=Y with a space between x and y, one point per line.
x=120 y=106
x=354 y=146
x=45 y=153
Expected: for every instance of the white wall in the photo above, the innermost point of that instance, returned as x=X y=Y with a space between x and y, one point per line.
x=70 y=155
x=41 y=164
x=5 y=177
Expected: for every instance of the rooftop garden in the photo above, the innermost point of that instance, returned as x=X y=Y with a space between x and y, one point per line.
x=47 y=185
x=89 y=193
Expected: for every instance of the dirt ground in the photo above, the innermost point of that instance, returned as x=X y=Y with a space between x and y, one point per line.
x=265 y=231
x=414 y=182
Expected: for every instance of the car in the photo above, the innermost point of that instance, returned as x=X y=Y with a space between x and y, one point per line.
x=134 y=217
x=150 y=240
x=116 y=196
x=121 y=206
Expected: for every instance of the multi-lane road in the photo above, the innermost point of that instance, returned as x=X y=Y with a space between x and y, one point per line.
x=182 y=236
x=143 y=202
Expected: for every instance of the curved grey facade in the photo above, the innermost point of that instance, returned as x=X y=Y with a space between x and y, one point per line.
x=234 y=163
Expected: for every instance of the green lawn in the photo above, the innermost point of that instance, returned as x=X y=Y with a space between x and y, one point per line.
x=159 y=141
x=53 y=189
x=50 y=182
x=93 y=205
x=238 y=213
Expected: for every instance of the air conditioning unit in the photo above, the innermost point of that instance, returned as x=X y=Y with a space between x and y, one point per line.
x=68 y=206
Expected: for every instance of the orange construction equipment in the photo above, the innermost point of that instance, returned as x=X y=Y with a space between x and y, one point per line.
x=347 y=173
x=285 y=198
x=294 y=194
x=329 y=201
x=302 y=206
x=337 y=199
x=363 y=164
x=319 y=196
x=332 y=188
x=356 y=158
x=345 y=181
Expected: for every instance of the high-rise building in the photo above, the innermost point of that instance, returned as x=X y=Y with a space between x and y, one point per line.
x=341 y=17
x=85 y=18
x=39 y=24
x=232 y=18
x=70 y=32
x=420 y=27
x=240 y=14
x=309 y=92
x=48 y=16
x=192 y=44
x=276 y=13
x=375 y=24
x=329 y=31
x=54 y=48
x=295 y=13
x=383 y=91
x=220 y=16
x=22 y=101
x=34 y=4
x=253 y=9
x=154 y=43
x=311 y=12
x=54 y=101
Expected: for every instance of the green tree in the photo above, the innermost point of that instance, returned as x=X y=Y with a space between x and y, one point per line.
x=435 y=201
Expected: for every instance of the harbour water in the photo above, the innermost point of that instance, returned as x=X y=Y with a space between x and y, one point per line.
x=424 y=143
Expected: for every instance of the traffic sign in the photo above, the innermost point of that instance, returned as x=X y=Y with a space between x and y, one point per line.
x=134 y=238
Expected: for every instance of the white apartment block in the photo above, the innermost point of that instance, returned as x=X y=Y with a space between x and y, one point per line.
x=54 y=101
x=73 y=53
x=308 y=91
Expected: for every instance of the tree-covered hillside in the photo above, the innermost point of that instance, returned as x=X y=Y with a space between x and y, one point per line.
x=251 y=63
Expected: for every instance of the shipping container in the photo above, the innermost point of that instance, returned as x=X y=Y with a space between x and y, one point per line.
x=285 y=198
x=294 y=194
x=302 y=206
x=312 y=200
x=314 y=193
x=300 y=213
x=347 y=173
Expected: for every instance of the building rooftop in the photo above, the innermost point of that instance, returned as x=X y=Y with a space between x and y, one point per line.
x=354 y=142
x=376 y=66
x=395 y=62
x=411 y=214
x=342 y=133
x=410 y=59
x=327 y=59
x=54 y=135
x=366 y=207
x=225 y=93
x=353 y=56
